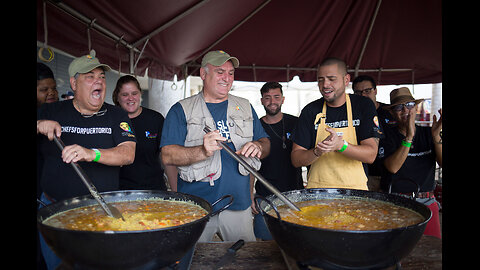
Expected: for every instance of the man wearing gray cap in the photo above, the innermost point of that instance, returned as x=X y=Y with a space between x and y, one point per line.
x=97 y=135
x=205 y=170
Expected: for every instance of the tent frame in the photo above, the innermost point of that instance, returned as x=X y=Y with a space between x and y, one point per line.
x=132 y=47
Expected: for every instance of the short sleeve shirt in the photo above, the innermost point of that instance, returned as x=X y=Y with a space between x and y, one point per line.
x=105 y=130
x=419 y=165
x=145 y=172
x=365 y=120
x=277 y=167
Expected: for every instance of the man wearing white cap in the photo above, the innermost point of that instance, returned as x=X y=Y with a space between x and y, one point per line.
x=205 y=170
x=96 y=134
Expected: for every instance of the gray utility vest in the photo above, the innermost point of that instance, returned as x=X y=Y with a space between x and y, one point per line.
x=240 y=124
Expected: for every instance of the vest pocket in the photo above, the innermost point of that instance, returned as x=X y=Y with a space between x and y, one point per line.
x=243 y=126
x=195 y=131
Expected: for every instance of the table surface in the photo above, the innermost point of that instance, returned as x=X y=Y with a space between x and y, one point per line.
x=427 y=254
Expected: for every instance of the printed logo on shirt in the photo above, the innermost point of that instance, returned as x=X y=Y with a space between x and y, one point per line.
x=150 y=135
x=125 y=126
x=375 y=121
x=223 y=128
x=343 y=123
x=128 y=131
x=87 y=131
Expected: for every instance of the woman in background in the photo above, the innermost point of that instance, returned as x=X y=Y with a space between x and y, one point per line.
x=146 y=171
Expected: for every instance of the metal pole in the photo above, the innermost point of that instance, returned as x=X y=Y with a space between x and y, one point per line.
x=169 y=23
x=249 y=168
x=357 y=66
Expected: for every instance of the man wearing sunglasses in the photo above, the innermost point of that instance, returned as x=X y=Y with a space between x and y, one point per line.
x=411 y=154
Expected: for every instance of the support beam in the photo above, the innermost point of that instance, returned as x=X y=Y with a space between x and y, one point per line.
x=87 y=21
x=372 y=23
x=228 y=33
x=171 y=22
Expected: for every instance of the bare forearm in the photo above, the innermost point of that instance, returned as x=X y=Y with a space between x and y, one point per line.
x=265 y=146
x=301 y=156
x=122 y=154
x=171 y=172
x=178 y=155
x=395 y=161
x=365 y=152
x=438 y=150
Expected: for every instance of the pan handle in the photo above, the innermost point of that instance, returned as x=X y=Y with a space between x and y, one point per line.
x=257 y=197
x=223 y=208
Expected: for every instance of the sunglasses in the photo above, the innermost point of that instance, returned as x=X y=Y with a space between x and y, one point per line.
x=407 y=105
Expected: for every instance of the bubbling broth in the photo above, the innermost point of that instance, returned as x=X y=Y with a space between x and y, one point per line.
x=349 y=214
x=139 y=215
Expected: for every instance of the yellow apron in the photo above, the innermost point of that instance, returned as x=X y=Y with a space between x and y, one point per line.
x=333 y=169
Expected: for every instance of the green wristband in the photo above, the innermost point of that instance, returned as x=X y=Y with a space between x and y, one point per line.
x=345 y=145
x=406 y=144
x=97 y=155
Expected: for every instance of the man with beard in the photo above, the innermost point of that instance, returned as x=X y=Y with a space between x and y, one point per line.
x=277 y=167
x=336 y=133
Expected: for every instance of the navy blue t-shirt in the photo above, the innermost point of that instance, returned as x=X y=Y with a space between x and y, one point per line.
x=231 y=181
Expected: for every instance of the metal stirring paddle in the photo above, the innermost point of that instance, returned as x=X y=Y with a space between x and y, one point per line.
x=109 y=209
x=255 y=173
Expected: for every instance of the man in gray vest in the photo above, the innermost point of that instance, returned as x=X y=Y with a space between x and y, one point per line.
x=205 y=170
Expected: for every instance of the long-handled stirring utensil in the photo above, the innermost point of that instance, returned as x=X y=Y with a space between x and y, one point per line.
x=109 y=209
x=255 y=173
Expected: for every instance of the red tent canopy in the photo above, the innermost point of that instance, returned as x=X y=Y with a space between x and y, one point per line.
x=274 y=40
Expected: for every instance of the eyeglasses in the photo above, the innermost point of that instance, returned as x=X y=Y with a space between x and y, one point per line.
x=407 y=105
x=360 y=92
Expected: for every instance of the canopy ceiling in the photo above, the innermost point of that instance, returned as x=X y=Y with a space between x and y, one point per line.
x=274 y=40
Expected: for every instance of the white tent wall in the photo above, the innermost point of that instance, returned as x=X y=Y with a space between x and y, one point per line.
x=163 y=94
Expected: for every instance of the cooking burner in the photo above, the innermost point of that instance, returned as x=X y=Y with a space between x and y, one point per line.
x=328 y=266
x=64 y=266
x=183 y=264
x=323 y=265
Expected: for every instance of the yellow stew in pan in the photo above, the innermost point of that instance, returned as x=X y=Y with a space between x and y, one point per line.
x=139 y=215
x=349 y=214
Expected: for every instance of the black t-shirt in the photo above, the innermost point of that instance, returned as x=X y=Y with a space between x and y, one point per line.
x=419 y=165
x=385 y=117
x=386 y=121
x=103 y=131
x=364 y=116
x=277 y=167
x=145 y=172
